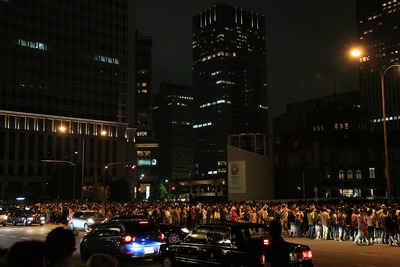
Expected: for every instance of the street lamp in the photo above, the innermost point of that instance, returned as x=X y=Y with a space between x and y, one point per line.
x=382 y=73
x=104 y=181
x=63 y=129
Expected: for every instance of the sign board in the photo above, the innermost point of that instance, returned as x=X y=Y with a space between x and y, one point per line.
x=236 y=177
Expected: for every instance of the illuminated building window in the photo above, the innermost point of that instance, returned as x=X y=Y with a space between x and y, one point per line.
x=336 y=126
x=346 y=126
x=372 y=173
x=141 y=133
x=144 y=84
x=105 y=59
x=341 y=174
x=32 y=44
x=358 y=174
x=349 y=174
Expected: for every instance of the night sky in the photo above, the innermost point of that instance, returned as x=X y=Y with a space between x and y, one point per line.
x=307 y=44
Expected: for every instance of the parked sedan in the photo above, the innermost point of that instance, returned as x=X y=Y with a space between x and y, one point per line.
x=123 y=239
x=82 y=220
x=229 y=244
x=172 y=233
x=26 y=217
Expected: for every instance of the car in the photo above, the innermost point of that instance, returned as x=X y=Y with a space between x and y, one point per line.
x=172 y=233
x=26 y=217
x=228 y=244
x=3 y=218
x=82 y=220
x=123 y=239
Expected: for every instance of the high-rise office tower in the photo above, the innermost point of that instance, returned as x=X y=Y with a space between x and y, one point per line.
x=229 y=81
x=379 y=38
x=68 y=64
x=173 y=115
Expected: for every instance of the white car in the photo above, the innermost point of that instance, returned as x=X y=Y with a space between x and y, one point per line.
x=3 y=218
x=81 y=220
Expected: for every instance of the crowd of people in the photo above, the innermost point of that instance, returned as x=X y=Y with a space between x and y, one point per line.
x=341 y=221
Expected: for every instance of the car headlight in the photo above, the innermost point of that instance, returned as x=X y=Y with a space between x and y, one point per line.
x=30 y=218
x=185 y=230
x=90 y=221
x=5 y=217
x=42 y=218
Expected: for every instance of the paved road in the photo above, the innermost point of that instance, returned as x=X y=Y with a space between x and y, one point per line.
x=325 y=253
x=330 y=253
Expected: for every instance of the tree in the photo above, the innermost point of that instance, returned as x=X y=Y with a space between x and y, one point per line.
x=162 y=191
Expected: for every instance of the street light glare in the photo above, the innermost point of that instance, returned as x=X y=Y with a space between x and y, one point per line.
x=356 y=52
x=63 y=129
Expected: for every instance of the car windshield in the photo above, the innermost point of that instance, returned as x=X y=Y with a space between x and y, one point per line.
x=94 y=214
x=141 y=227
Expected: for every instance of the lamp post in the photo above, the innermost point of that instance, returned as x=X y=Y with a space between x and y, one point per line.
x=63 y=129
x=382 y=73
x=387 y=172
x=104 y=181
x=74 y=179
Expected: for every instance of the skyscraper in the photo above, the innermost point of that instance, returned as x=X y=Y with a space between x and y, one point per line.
x=67 y=64
x=378 y=35
x=229 y=82
x=173 y=110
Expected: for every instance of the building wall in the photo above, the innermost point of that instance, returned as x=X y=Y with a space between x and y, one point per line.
x=259 y=175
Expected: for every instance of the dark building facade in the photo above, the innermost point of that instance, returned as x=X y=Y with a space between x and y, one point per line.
x=146 y=172
x=332 y=149
x=379 y=39
x=65 y=64
x=173 y=117
x=229 y=82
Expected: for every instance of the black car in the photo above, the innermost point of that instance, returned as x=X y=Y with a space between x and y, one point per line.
x=26 y=217
x=229 y=244
x=172 y=233
x=123 y=239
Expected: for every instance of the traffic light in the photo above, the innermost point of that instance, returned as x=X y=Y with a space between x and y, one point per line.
x=138 y=189
x=131 y=166
x=173 y=188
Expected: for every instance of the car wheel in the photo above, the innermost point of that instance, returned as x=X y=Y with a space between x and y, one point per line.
x=167 y=262
x=83 y=252
x=4 y=224
x=86 y=228
x=173 y=238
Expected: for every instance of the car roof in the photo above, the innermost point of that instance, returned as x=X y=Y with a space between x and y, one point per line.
x=237 y=225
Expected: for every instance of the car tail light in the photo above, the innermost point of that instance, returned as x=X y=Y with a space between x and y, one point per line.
x=304 y=255
x=129 y=238
x=263 y=260
x=161 y=236
x=266 y=242
x=143 y=222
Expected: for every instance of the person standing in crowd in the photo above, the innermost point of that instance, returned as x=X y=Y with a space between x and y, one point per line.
x=383 y=226
x=234 y=216
x=26 y=253
x=362 y=227
x=311 y=221
x=391 y=228
x=325 y=220
x=59 y=247
x=277 y=252
x=371 y=225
